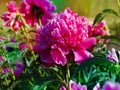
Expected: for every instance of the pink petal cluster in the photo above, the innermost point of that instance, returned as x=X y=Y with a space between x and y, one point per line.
x=97 y=30
x=12 y=6
x=10 y=17
x=66 y=32
x=37 y=9
x=74 y=86
x=23 y=46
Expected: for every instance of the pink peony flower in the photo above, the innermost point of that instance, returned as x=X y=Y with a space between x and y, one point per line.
x=97 y=30
x=74 y=86
x=64 y=33
x=23 y=46
x=37 y=9
x=11 y=17
x=8 y=17
x=19 y=69
x=17 y=24
x=12 y=6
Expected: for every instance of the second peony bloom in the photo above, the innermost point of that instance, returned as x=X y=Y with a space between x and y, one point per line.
x=65 y=35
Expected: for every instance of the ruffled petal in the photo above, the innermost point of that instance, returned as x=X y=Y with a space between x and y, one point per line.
x=88 y=42
x=58 y=56
x=81 y=55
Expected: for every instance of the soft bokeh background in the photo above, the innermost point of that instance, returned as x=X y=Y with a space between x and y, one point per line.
x=87 y=8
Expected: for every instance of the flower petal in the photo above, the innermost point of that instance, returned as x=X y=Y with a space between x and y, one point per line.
x=81 y=55
x=58 y=56
x=88 y=42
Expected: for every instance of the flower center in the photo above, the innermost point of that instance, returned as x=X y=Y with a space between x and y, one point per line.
x=37 y=11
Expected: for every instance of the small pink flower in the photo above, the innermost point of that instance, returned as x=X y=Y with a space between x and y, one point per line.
x=23 y=46
x=11 y=17
x=74 y=86
x=37 y=9
x=12 y=6
x=17 y=24
x=97 y=30
x=8 y=17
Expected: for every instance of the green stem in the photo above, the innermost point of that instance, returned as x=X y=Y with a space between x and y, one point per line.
x=28 y=42
x=119 y=14
x=68 y=76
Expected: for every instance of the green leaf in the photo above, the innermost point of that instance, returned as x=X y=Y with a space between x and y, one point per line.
x=14 y=55
x=113 y=37
x=100 y=16
x=93 y=61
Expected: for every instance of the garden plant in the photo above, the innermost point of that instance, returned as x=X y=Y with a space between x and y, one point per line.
x=42 y=49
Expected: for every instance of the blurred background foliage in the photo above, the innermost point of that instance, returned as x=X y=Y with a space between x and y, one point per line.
x=87 y=8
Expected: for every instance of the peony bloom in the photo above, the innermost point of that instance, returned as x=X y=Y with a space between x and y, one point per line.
x=98 y=30
x=8 y=17
x=17 y=24
x=19 y=69
x=11 y=17
x=65 y=33
x=37 y=9
x=12 y=6
x=74 y=86
x=23 y=46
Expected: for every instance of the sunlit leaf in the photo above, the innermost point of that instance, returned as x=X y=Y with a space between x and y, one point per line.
x=100 y=16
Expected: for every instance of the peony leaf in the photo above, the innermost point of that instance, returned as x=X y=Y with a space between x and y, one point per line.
x=100 y=16
x=93 y=61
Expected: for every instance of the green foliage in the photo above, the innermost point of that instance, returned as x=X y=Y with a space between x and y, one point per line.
x=100 y=16
x=94 y=70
